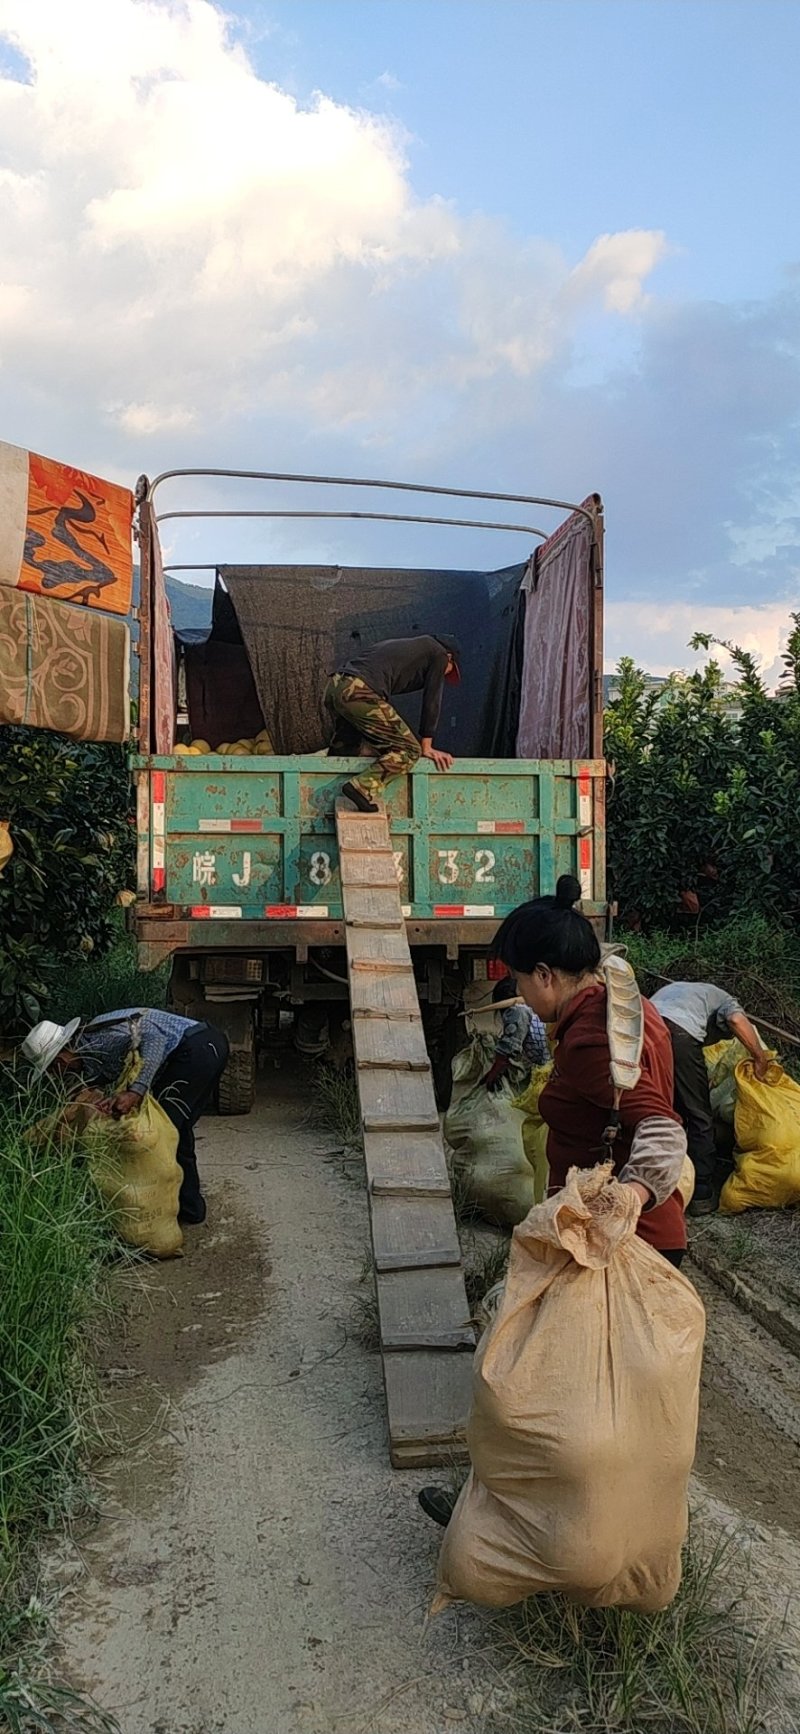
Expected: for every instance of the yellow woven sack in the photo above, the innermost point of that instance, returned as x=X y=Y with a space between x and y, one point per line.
x=767 y=1124
x=133 y=1164
x=534 y=1130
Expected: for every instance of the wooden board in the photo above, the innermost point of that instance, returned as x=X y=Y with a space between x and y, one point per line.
x=406 y=1164
x=366 y=869
x=382 y=995
x=388 y=1042
x=363 y=831
x=409 y=1233
x=374 y=906
x=424 y=1309
x=397 y=1099
x=378 y=946
x=422 y=1304
x=427 y=1397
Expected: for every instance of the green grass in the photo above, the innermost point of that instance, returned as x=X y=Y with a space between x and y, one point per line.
x=485 y=1263
x=708 y=1665
x=756 y=959
x=55 y=1246
x=336 y=1105
x=109 y=983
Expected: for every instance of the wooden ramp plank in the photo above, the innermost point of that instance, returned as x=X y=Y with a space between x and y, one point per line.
x=423 y=1309
x=387 y=1042
x=366 y=868
x=397 y=1099
x=406 y=1163
x=422 y=1303
x=382 y=995
x=411 y=1233
x=427 y=1398
x=368 y=905
x=379 y=946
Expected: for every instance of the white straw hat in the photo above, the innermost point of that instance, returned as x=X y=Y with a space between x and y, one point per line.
x=45 y=1041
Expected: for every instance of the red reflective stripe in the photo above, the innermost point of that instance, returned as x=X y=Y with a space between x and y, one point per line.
x=509 y=827
x=281 y=911
x=246 y=825
x=200 y=912
x=159 y=786
x=585 y=853
x=159 y=878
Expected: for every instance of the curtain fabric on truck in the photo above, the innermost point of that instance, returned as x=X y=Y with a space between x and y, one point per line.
x=63 y=668
x=555 y=696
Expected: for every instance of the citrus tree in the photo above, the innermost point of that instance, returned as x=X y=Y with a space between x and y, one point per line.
x=69 y=812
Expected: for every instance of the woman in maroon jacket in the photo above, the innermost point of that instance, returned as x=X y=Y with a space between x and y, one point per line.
x=554 y=954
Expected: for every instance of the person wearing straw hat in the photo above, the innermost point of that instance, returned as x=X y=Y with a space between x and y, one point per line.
x=179 y=1060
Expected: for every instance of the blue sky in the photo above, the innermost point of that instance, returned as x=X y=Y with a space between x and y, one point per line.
x=542 y=245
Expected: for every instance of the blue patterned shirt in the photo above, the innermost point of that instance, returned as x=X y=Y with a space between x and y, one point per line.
x=524 y=1036
x=105 y=1043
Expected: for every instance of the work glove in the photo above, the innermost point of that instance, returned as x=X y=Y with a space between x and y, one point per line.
x=495 y=1075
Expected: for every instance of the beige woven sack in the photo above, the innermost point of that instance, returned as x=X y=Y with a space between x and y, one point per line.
x=584 y=1415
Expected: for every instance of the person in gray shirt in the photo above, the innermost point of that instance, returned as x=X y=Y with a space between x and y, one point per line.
x=697 y=1013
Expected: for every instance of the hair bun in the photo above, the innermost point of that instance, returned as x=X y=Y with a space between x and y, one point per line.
x=568 y=891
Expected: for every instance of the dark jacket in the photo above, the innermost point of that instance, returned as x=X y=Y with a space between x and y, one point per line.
x=405 y=665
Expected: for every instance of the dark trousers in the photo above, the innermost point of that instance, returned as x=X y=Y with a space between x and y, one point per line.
x=184 y=1087
x=693 y=1102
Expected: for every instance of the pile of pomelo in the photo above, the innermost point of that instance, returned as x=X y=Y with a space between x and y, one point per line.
x=261 y=747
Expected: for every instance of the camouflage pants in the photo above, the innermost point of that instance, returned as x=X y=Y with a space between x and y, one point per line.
x=360 y=715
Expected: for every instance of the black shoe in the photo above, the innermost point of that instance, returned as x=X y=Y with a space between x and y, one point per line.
x=359 y=799
x=437 y=1504
x=703 y=1204
x=191 y=1215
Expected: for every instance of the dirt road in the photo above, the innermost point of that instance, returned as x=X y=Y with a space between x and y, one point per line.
x=257 y=1567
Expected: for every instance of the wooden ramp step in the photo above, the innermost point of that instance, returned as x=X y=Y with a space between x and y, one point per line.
x=425 y=1329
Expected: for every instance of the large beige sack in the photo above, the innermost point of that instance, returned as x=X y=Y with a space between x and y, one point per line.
x=584 y=1415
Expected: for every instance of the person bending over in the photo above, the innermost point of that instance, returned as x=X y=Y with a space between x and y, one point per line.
x=178 y=1060
x=358 y=699
x=696 y=1013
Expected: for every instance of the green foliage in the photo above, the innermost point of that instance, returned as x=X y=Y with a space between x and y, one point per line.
x=70 y=813
x=704 y=810
x=55 y=1244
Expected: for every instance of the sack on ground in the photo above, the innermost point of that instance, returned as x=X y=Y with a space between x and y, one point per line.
x=484 y=1132
x=584 y=1415
x=767 y=1158
x=534 y=1130
x=721 y=1059
x=133 y=1163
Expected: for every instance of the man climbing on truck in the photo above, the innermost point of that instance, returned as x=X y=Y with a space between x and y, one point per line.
x=359 y=700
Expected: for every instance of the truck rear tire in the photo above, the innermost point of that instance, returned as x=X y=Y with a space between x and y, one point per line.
x=236 y=1090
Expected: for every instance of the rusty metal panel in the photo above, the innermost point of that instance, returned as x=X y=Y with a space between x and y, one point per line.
x=255 y=840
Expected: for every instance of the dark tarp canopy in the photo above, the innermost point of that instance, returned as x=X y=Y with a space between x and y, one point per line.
x=300 y=623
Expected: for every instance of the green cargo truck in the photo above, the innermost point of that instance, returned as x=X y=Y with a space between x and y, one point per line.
x=238 y=880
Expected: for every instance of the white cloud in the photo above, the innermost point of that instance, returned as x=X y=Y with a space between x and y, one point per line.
x=167 y=213
x=197 y=267
x=661 y=633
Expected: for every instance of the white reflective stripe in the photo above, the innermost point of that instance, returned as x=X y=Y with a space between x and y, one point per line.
x=158 y=835
x=486 y=827
x=406 y=910
x=219 y=911
x=218 y=825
